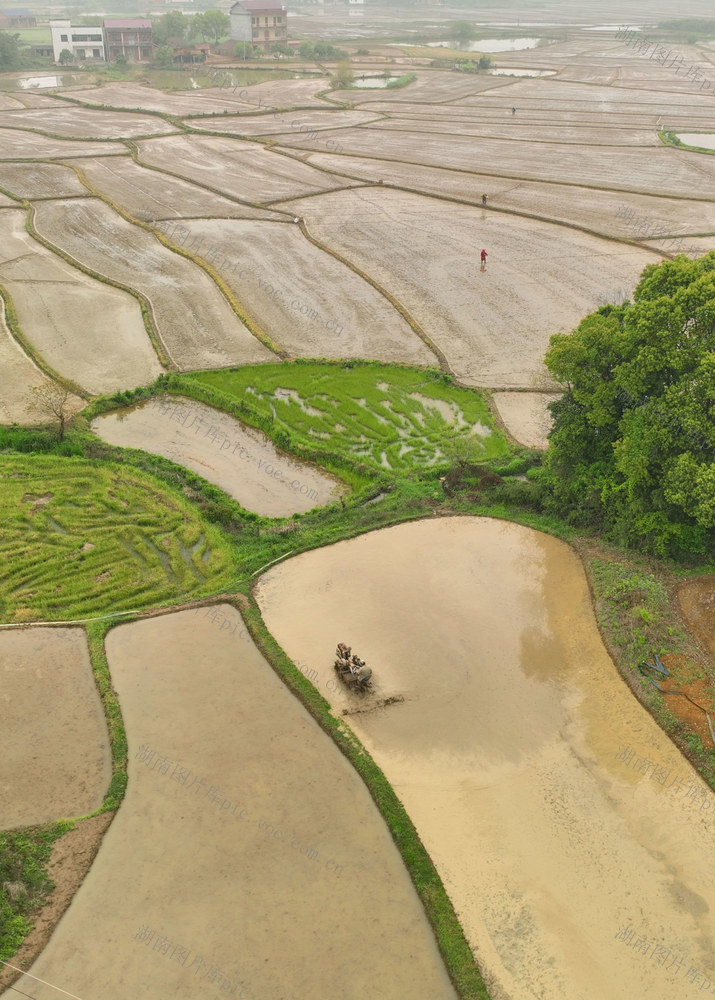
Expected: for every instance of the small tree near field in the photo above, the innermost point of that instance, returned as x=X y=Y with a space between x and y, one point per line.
x=65 y=57
x=52 y=401
x=343 y=74
x=462 y=31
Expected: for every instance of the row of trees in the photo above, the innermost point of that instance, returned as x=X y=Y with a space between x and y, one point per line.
x=173 y=28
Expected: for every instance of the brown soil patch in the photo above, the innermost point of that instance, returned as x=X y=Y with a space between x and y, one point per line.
x=698 y=690
x=71 y=858
x=697 y=605
x=37 y=501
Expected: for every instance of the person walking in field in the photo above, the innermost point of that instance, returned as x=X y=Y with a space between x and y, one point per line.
x=513 y=111
x=484 y=200
x=484 y=259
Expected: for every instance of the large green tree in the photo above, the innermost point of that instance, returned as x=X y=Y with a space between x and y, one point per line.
x=216 y=25
x=9 y=51
x=633 y=444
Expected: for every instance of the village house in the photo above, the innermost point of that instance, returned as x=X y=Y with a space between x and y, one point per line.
x=82 y=41
x=260 y=22
x=130 y=37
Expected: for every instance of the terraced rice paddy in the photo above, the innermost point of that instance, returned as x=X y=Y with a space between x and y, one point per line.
x=194 y=324
x=344 y=234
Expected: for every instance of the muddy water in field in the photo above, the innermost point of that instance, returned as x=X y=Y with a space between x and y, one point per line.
x=238 y=458
x=245 y=839
x=515 y=752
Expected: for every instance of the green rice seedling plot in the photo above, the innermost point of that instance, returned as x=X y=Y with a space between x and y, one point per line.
x=81 y=539
x=396 y=419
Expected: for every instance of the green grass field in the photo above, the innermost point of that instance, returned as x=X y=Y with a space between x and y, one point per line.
x=83 y=539
x=388 y=417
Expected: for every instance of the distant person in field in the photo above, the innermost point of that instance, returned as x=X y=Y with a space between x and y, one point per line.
x=484 y=199
x=484 y=259
x=513 y=111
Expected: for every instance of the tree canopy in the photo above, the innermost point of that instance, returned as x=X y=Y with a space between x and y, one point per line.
x=632 y=448
x=170 y=28
x=9 y=51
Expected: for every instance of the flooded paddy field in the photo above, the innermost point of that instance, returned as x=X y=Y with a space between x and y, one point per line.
x=74 y=122
x=50 y=703
x=151 y=194
x=241 y=169
x=19 y=375
x=492 y=325
x=193 y=320
x=607 y=212
x=22 y=145
x=64 y=314
x=640 y=169
x=505 y=750
x=289 y=286
x=269 y=831
x=239 y=459
x=281 y=121
x=40 y=180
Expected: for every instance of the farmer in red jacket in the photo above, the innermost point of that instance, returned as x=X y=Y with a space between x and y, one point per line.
x=484 y=258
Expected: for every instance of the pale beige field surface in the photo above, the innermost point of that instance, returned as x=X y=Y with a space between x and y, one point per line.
x=206 y=101
x=692 y=246
x=9 y=103
x=526 y=416
x=493 y=325
x=283 y=93
x=306 y=300
x=19 y=375
x=40 y=180
x=32 y=99
x=54 y=744
x=150 y=194
x=542 y=117
x=18 y=145
x=193 y=319
x=75 y=122
x=7 y=202
x=87 y=331
x=504 y=751
x=611 y=213
x=244 y=170
x=584 y=135
x=283 y=121
x=138 y=97
x=245 y=904
x=240 y=459
x=666 y=170
x=430 y=87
